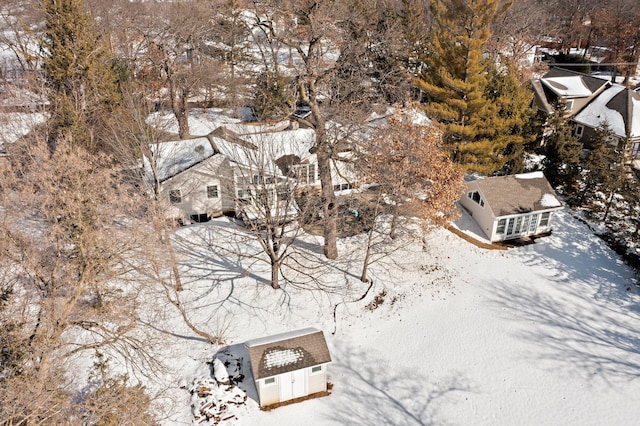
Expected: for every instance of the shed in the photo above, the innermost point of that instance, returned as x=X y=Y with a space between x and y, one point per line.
x=510 y=207
x=289 y=365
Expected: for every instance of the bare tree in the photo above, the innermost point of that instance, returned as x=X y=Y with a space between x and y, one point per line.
x=332 y=50
x=74 y=252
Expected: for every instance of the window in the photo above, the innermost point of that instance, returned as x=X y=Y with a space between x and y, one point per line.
x=175 y=197
x=544 y=219
x=270 y=381
x=316 y=369
x=502 y=223
x=475 y=196
x=579 y=130
x=534 y=222
x=569 y=104
x=518 y=224
x=212 y=191
x=510 y=226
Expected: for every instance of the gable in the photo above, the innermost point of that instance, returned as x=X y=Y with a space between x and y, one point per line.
x=516 y=194
x=286 y=352
x=612 y=107
x=171 y=158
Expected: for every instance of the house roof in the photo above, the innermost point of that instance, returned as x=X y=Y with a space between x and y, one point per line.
x=282 y=353
x=618 y=106
x=573 y=82
x=521 y=193
x=565 y=84
x=261 y=150
x=175 y=157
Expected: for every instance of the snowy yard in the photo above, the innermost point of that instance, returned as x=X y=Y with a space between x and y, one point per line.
x=540 y=334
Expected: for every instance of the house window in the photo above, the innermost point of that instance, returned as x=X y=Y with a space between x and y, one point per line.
x=502 y=223
x=475 y=196
x=212 y=191
x=544 y=219
x=270 y=381
x=175 y=197
x=569 y=104
x=579 y=130
x=306 y=173
x=510 y=226
x=316 y=369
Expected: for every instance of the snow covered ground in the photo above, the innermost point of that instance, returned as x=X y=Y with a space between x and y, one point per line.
x=540 y=334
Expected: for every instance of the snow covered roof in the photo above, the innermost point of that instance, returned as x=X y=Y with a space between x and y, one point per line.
x=568 y=87
x=515 y=194
x=281 y=353
x=261 y=150
x=617 y=106
x=174 y=157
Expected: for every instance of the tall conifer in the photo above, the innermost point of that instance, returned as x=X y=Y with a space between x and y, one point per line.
x=79 y=71
x=480 y=107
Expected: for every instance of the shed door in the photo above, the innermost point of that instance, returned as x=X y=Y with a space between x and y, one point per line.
x=292 y=385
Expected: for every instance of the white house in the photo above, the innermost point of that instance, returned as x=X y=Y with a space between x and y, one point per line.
x=289 y=365
x=192 y=177
x=510 y=207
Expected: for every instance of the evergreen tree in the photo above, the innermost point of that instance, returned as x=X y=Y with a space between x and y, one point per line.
x=79 y=73
x=463 y=89
x=562 y=150
x=598 y=165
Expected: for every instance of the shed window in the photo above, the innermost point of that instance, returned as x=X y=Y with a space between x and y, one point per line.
x=270 y=381
x=475 y=196
x=502 y=223
x=212 y=191
x=316 y=369
x=544 y=219
x=175 y=197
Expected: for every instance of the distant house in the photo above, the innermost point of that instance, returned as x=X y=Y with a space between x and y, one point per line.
x=510 y=207
x=289 y=365
x=591 y=103
x=195 y=179
x=619 y=108
x=576 y=90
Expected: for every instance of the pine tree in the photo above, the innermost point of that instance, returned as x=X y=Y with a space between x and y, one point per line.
x=562 y=150
x=79 y=73
x=463 y=89
x=598 y=164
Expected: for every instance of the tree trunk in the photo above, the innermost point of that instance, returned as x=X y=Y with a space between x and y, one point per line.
x=329 y=204
x=275 y=275
x=180 y=109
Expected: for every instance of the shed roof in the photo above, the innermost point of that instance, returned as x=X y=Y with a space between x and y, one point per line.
x=521 y=193
x=281 y=353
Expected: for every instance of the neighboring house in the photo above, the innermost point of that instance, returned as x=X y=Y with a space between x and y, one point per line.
x=573 y=88
x=619 y=108
x=289 y=365
x=195 y=179
x=510 y=207
x=593 y=102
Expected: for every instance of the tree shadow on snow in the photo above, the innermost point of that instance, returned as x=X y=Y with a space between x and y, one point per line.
x=575 y=334
x=374 y=392
x=580 y=257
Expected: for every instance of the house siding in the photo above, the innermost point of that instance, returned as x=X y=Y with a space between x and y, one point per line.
x=193 y=184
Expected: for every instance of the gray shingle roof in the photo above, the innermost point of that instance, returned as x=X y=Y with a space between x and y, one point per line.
x=281 y=353
x=514 y=194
